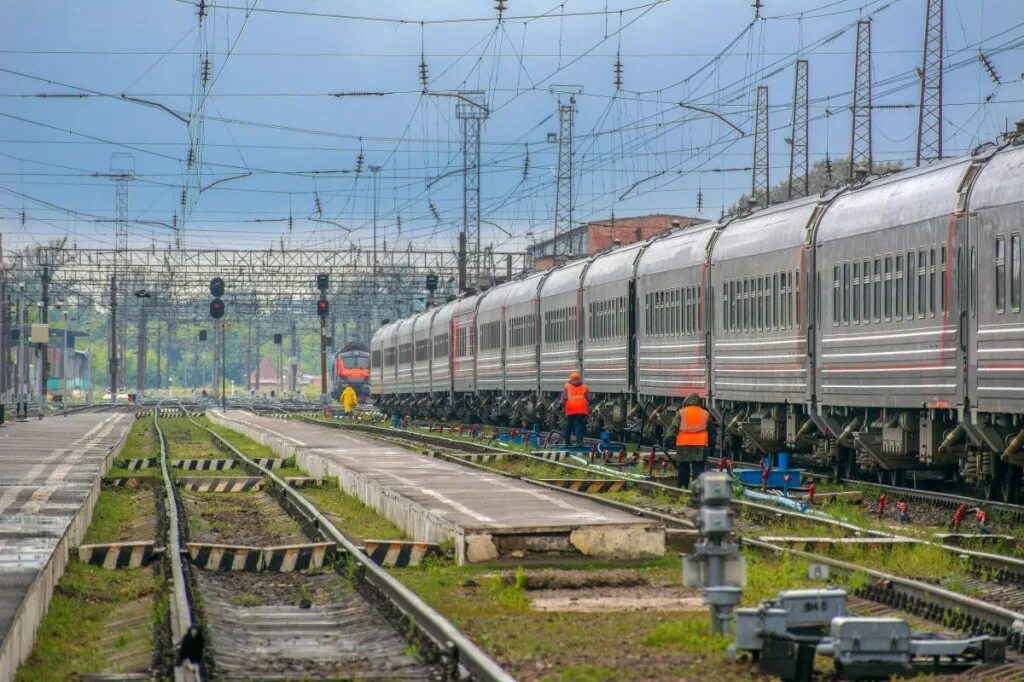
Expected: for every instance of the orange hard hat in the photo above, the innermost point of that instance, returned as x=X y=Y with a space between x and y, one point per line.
x=573 y=376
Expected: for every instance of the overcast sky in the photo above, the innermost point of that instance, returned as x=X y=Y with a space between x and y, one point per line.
x=270 y=117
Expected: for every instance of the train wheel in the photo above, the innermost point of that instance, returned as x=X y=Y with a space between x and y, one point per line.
x=1011 y=484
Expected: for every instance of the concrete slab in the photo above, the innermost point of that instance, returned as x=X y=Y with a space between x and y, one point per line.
x=488 y=516
x=50 y=472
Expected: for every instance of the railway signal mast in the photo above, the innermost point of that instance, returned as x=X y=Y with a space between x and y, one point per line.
x=217 y=313
x=322 y=311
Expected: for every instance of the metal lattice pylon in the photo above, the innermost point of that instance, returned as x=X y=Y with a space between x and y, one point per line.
x=860 y=137
x=472 y=111
x=929 y=118
x=760 y=187
x=799 y=150
x=563 y=179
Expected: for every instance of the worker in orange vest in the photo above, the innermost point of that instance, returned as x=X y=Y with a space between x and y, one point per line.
x=691 y=426
x=576 y=398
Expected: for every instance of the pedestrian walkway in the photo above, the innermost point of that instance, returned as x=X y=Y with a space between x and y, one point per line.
x=488 y=516
x=50 y=473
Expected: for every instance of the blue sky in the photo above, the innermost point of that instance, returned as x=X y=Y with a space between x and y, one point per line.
x=270 y=116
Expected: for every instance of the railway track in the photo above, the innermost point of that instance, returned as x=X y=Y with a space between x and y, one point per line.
x=999 y=578
x=348 y=619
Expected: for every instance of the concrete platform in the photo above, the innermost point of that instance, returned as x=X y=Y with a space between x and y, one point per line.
x=489 y=517
x=50 y=473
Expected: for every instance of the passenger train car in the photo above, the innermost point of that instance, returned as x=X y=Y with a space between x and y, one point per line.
x=878 y=326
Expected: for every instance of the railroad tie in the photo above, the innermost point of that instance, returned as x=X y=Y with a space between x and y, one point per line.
x=240 y=484
x=291 y=558
x=586 y=485
x=269 y=462
x=203 y=464
x=118 y=554
x=225 y=557
x=399 y=554
x=136 y=464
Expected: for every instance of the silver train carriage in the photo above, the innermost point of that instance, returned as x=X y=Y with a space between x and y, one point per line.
x=877 y=327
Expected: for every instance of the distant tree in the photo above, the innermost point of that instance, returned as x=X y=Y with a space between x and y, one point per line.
x=823 y=175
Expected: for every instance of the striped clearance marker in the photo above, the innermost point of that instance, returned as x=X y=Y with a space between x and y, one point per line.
x=304 y=482
x=284 y=559
x=551 y=455
x=118 y=554
x=203 y=464
x=127 y=481
x=225 y=557
x=240 y=484
x=269 y=462
x=586 y=485
x=399 y=554
x=136 y=464
x=296 y=557
x=486 y=458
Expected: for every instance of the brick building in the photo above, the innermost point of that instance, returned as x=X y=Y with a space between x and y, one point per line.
x=598 y=235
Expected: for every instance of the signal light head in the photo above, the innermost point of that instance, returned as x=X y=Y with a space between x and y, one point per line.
x=322 y=282
x=216 y=308
x=216 y=287
x=322 y=307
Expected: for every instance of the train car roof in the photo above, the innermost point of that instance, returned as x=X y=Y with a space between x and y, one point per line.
x=681 y=249
x=423 y=320
x=466 y=305
x=384 y=332
x=614 y=265
x=445 y=312
x=903 y=198
x=564 y=278
x=493 y=298
x=1000 y=181
x=522 y=290
x=775 y=228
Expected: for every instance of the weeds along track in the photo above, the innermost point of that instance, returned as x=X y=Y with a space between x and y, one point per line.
x=961 y=589
x=280 y=592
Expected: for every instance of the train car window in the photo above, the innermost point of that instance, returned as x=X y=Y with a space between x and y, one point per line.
x=837 y=295
x=942 y=279
x=899 y=286
x=1015 y=273
x=441 y=345
x=794 y=307
x=422 y=350
x=877 y=307
x=846 y=293
x=922 y=282
x=866 y=279
x=390 y=355
x=759 y=303
x=734 y=314
x=405 y=353
x=911 y=278
x=856 y=293
x=775 y=301
x=887 y=289
x=375 y=358
x=1000 y=274
x=725 y=306
x=931 y=282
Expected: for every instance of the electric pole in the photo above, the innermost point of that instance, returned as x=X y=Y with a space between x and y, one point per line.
x=799 y=148
x=760 y=186
x=860 y=136
x=929 y=118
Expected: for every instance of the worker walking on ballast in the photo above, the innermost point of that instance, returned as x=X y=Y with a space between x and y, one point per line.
x=349 y=400
x=576 y=398
x=691 y=425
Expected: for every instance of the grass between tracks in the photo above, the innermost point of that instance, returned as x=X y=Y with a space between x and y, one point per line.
x=86 y=629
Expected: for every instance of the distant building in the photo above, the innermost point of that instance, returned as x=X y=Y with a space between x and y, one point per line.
x=598 y=235
x=268 y=375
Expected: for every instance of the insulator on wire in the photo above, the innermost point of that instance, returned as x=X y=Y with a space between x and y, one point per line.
x=989 y=68
x=317 y=206
x=202 y=10
x=399 y=223
x=184 y=197
x=700 y=199
x=207 y=69
x=499 y=5
x=828 y=167
x=618 y=72
x=359 y=161
x=433 y=210
x=424 y=73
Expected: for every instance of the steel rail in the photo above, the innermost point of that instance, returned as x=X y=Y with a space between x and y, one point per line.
x=180 y=603
x=458 y=649
x=922 y=599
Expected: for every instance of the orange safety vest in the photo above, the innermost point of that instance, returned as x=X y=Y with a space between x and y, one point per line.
x=693 y=426
x=576 y=401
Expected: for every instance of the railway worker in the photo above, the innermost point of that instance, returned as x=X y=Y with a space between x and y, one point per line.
x=882 y=500
x=981 y=516
x=692 y=439
x=810 y=491
x=576 y=399
x=902 y=512
x=958 y=516
x=349 y=399
x=725 y=464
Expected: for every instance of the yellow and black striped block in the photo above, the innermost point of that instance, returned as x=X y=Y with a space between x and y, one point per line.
x=284 y=559
x=225 y=557
x=269 y=462
x=117 y=554
x=585 y=485
x=551 y=455
x=127 y=482
x=291 y=558
x=304 y=482
x=824 y=544
x=239 y=484
x=396 y=553
x=203 y=464
x=136 y=464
